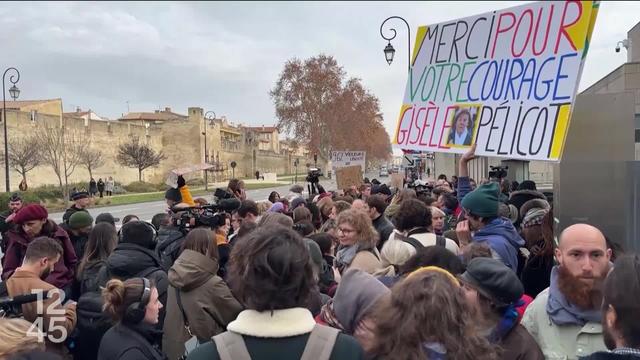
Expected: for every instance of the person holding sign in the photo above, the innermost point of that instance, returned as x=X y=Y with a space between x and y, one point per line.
x=462 y=126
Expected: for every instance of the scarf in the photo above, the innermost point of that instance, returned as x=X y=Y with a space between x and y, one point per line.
x=562 y=312
x=329 y=316
x=345 y=256
x=507 y=322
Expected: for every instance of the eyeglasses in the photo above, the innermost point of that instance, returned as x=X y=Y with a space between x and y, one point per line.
x=346 y=231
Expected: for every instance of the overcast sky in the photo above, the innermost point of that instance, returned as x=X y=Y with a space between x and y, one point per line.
x=226 y=56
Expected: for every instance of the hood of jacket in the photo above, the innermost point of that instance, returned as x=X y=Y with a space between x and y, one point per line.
x=129 y=260
x=520 y=197
x=503 y=238
x=192 y=270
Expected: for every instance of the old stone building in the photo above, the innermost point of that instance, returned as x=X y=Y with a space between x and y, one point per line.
x=182 y=138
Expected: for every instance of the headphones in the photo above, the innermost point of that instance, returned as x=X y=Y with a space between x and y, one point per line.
x=149 y=225
x=135 y=312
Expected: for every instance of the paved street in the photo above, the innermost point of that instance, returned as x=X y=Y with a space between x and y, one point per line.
x=146 y=210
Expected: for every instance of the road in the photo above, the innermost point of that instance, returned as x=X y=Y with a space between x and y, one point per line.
x=145 y=211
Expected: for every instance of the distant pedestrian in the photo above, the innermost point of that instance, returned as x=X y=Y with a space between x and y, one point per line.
x=110 y=186
x=93 y=187
x=101 y=187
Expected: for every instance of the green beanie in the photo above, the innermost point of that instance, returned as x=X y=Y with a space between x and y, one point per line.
x=80 y=219
x=483 y=201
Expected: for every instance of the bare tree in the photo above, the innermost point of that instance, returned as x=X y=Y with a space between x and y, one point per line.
x=24 y=155
x=92 y=159
x=62 y=149
x=138 y=155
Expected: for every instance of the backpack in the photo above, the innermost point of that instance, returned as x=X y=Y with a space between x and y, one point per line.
x=319 y=345
x=168 y=248
x=440 y=241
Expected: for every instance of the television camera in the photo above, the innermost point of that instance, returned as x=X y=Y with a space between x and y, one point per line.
x=210 y=215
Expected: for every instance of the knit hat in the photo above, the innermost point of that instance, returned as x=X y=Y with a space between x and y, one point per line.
x=108 y=218
x=533 y=204
x=534 y=217
x=29 y=213
x=79 y=195
x=357 y=293
x=315 y=253
x=483 y=201
x=494 y=280
x=173 y=194
x=296 y=202
x=79 y=220
x=139 y=233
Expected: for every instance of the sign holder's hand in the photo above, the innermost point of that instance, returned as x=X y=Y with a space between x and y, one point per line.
x=463 y=170
x=464 y=233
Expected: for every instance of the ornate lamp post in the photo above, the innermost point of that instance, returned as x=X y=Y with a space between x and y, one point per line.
x=208 y=116
x=389 y=51
x=14 y=92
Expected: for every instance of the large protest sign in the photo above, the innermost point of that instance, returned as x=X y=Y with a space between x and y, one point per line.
x=349 y=176
x=340 y=159
x=505 y=80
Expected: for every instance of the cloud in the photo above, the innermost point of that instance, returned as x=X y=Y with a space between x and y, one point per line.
x=226 y=56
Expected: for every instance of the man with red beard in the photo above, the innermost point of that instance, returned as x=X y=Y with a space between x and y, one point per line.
x=565 y=318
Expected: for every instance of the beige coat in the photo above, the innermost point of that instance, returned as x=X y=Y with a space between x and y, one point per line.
x=207 y=301
x=366 y=261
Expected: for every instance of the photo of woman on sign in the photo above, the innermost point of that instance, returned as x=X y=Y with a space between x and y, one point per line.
x=462 y=126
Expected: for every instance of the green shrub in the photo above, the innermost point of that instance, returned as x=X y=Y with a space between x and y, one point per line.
x=141 y=187
x=195 y=182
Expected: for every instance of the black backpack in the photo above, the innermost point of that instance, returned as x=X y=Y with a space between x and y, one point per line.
x=440 y=241
x=168 y=248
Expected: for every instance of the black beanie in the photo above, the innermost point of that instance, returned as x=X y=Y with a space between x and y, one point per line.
x=173 y=194
x=139 y=233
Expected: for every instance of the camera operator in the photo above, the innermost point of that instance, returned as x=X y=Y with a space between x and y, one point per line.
x=56 y=321
x=170 y=237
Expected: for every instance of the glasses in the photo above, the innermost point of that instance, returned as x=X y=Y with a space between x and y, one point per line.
x=345 y=231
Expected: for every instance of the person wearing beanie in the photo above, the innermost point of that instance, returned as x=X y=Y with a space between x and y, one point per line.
x=351 y=308
x=135 y=256
x=525 y=193
x=81 y=201
x=537 y=231
x=482 y=222
x=78 y=228
x=32 y=222
x=108 y=218
x=493 y=292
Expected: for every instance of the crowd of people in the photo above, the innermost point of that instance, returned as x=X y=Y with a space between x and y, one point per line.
x=458 y=271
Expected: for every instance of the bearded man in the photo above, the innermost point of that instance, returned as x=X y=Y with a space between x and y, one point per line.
x=565 y=318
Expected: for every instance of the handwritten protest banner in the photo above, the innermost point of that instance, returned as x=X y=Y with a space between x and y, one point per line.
x=505 y=80
x=349 y=176
x=340 y=159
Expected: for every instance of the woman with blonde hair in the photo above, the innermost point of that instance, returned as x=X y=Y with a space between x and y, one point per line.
x=15 y=338
x=358 y=239
x=413 y=303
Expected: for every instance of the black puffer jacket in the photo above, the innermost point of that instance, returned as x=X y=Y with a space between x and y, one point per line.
x=131 y=260
x=170 y=241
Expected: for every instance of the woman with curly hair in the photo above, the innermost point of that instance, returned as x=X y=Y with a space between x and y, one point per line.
x=435 y=320
x=358 y=239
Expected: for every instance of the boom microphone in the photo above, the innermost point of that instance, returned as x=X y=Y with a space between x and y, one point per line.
x=21 y=299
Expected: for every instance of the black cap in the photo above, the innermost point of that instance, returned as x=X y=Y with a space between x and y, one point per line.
x=494 y=280
x=15 y=197
x=173 y=194
x=108 y=218
x=79 y=195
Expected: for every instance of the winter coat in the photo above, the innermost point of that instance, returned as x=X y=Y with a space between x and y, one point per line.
x=207 y=302
x=536 y=273
x=93 y=186
x=58 y=320
x=130 y=342
x=384 y=227
x=367 y=261
x=63 y=272
x=79 y=241
x=101 y=185
x=278 y=334
x=90 y=278
x=605 y=355
x=170 y=240
x=560 y=342
x=110 y=185
x=520 y=345
x=131 y=260
x=503 y=239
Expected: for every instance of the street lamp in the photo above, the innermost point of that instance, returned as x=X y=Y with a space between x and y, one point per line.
x=389 y=51
x=210 y=116
x=14 y=92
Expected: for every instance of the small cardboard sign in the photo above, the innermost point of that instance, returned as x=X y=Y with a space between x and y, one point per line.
x=349 y=176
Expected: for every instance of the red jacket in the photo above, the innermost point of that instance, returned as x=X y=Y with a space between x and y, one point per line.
x=63 y=272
